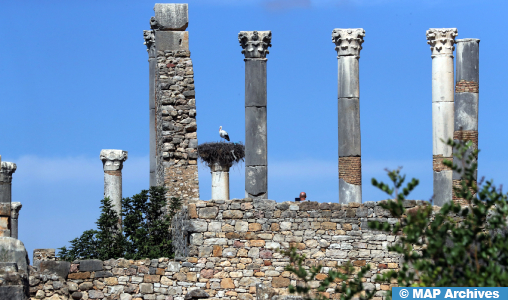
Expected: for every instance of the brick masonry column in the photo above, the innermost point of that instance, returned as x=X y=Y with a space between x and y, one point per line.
x=466 y=98
x=175 y=124
x=15 y=208
x=112 y=162
x=220 y=181
x=442 y=41
x=348 y=43
x=149 y=37
x=6 y=171
x=255 y=48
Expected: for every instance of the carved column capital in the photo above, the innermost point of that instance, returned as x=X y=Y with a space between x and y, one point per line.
x=15 y=208
x=255 y=43
x=6 y=171
x=149 y=36
x=348 y=41
x=442 y=40
x=112 y=160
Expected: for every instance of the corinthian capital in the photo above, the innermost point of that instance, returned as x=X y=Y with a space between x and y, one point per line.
x=348 y=41
x=255 y=43
x=112 y=160
x=15 y=208
x=6 y=171
x=149 y=37
x=441 y=40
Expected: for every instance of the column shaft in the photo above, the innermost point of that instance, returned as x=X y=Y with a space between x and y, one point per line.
x=466 y=99
x=348 y=45
x=112 y=161
x=442 y=45
x=220 y=182
x=6 y=171
x=149 y=36
x=255 y=45
x=15 y=208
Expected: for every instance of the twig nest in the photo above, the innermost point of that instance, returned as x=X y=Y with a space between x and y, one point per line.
x=221 y=153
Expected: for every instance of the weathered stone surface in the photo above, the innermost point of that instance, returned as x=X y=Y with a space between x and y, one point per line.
x=16 y=252
x=280 y=282
x=232 y=214
x=13 y=292
x=90 y=265
x=61 y=268
x=227 y=283
x=197 y=294
x=208 y=212
x=171 y=16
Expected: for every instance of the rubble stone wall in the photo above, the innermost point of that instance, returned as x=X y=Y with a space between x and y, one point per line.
x=176 y=134
x=232 y=248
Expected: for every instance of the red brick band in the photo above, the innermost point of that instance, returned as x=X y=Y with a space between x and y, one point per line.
x=466 y=87
x=350 y=169
x=114 y=173
x=437 y=163
x=457 y=183
x=466 y=135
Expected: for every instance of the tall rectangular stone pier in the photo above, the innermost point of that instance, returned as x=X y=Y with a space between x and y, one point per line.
x=442 y=41
x=255 y=48
x=6 y=171
x=348 y=43
x=466 y=99
x=173 y=128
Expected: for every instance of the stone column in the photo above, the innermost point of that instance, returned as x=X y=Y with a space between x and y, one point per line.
x=15 y=208
x=255 y=48
x=466 y=97
x=348 y=43
x=112 y=161
x=6 y=171
x=220 y=181
x=442 y=41
x=149 y=36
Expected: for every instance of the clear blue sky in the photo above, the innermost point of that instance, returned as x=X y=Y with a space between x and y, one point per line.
x=74 y=80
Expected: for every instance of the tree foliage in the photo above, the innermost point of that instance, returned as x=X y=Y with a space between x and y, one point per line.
x=451 y=246
x=146 y=230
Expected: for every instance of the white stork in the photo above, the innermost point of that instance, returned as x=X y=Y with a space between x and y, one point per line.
x=223 y=134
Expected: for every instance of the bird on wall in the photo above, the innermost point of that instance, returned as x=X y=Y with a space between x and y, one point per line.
x=223 y=134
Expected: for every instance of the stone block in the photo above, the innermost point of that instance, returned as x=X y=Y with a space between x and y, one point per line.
x=196 y=226
x=5 y=209
x=232 y=214
x=264 y=204
x=256 y=181
x=208 y=212
x=16 y=253
x=349 y=127
x=90 y=265
x=171 y=16
x=468 y=57
x=13 y=292
x=173 y=266
x=197 y=294
x=103 y=274
x=349 y=81
x=255 y=136
x=151 y=278
x=466 y=111
x=255 y=83
x=94 y=294
x=172 y=40
x=61 y=268
x=146 y=288
x=309 y=205
x=79 y=276
x=280 y=282
x=227 y=283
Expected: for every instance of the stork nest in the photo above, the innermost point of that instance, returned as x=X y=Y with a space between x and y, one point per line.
x=220 y=152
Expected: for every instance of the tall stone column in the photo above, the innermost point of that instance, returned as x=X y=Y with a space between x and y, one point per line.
x=112 y=162
x=15 y=208
x=466 y=98
x=174 y=102
x=348 y=43
x=255 y=48
x=6 y=171
x=220 y=181
x=149 y=36
x=442 y=41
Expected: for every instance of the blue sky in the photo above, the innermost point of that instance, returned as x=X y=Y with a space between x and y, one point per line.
x=74 y=80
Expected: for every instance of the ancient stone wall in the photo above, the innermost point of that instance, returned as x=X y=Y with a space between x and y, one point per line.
x=233 y=253
x=176 y=124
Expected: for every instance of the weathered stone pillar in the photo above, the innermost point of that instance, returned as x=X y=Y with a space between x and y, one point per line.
x=112 y=162
x=152 y=69
x=348 y=43
x=442 y=41
x=466 y=98
x=15 y=208
x=6 y=171
x=220 y=181
x=174 y=103
x=255 y=48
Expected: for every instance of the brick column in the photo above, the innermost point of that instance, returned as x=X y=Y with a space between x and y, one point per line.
x=348 y=43
x=255 y=48
x=112 y=162
x=6 y=171
x=220 y=181
x=15 y=208
x=149 y=37
x=442 y=41
x=466 y=98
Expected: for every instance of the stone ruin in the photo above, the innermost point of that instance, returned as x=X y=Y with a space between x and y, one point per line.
x=227 y=248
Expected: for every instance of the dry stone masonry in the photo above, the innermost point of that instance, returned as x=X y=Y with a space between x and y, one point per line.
x=255 y=48
x=466 y=98
x=174 y=104
x=233 y=254
x=348 y=43
x=442 y=41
